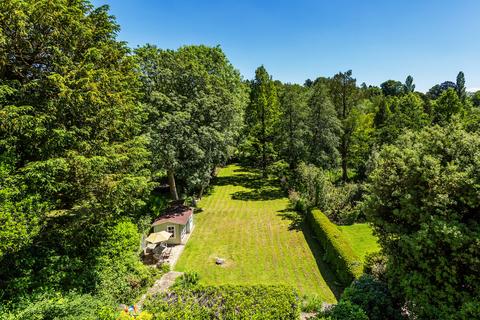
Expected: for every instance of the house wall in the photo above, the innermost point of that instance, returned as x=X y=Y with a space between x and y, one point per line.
x=178 y=231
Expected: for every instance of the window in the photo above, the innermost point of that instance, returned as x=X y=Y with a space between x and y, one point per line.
x=171 y=229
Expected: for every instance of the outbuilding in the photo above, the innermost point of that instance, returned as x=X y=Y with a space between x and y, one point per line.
x=178 y=221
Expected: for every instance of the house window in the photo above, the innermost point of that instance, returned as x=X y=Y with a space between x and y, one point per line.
x=171 y=229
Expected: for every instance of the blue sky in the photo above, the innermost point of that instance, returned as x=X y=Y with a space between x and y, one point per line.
x=296 y=40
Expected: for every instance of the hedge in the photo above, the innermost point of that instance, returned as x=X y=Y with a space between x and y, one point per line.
x=337 y=251
x=226 y=302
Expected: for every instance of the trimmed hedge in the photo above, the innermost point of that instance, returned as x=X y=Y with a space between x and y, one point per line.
x=337 y=251
x=226 y=302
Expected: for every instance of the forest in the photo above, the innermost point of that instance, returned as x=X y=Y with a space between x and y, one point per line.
x=90 y=131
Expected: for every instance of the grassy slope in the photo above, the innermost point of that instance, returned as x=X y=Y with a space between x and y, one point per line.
x=361 y=238
x=245 y=221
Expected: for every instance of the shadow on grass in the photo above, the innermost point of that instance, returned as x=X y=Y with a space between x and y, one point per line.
x=296 y=219
x=298 y=223
x=261 y=189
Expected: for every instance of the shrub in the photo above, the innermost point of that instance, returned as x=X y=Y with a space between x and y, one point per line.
x=341 y=203
x=187 y=280
x=226 y=302
x=311 y=303
x=376 y=265
x=338 y=252
x=56 y=306
x=344 y=310
x=373 y=297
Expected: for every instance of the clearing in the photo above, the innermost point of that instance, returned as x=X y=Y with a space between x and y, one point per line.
x=361 y=239
x=246 y=221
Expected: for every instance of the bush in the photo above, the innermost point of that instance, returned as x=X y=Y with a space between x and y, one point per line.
x=311 y=303
x=187 y=280
x=344 y=310
x=376 y=265
x=122 y=277
x=373 y=297
x=56 y=306
x=341 y=203
x=226 y=302
x=338 y=252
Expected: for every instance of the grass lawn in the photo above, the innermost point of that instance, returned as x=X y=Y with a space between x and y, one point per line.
x=361 y=238
x=246 y=221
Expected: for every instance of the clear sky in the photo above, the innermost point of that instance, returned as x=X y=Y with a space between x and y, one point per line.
x=298 y=39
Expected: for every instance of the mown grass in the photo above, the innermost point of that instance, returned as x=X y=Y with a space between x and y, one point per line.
x=246 y=221
x=361 y=239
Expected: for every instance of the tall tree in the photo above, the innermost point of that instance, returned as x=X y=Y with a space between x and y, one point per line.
x=343 y=91
x=409 y=86
x=325 y=128
x=392 y=88
x=72 y=157
x=424 y=206
x=461 y=90
x=292 y=136
x=262 y=116
x=446 y=106
x=195 y=99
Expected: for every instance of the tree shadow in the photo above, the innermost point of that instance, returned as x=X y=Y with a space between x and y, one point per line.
x=296 y=220
x=298 y=223
x=266 y=193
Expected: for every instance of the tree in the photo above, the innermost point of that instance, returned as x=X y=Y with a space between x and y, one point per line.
x=392 y=88
x=195 y=99
x=324 y=128
x=395 y=115
x=476 y=99
x=437 y=90
x=292 y=137
x=424 y=203
x=72 y=156
x=409 y=86
x=446 y=106
x=343 y=91
x=262 y=117
x=460 y=86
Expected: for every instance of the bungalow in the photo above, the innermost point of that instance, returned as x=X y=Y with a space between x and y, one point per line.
x=178 y=221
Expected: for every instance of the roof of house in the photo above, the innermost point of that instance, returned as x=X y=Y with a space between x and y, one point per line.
x=178 y=214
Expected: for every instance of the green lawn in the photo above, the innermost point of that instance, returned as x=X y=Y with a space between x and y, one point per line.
x=361 y=238
x=245 y=220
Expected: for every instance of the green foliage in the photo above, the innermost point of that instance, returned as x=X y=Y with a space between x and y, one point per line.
x=392 y=88
x=447 y=105
x=262 y=116
x=344 y=94
x=226 y=302
x=476 y=99
x=187 y=280
x=291 y=140
x=344 y=310
x=311 y=186
x=373 y=297
x=324 y=128
x=55 y=306
x=423 y=204
x=195 y=99
x=337 y=251
x=311 y=303
x=395 y=115
x=409 y=86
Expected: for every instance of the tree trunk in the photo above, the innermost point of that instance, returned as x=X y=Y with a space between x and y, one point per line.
x=171 y=183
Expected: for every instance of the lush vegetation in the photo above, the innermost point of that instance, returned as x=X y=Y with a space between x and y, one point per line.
x=226 y=302
x=91 y=130
x=361 y=239
x=246 y=221
x=336 y=248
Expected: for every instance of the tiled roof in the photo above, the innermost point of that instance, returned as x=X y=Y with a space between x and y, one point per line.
x=178 y=214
